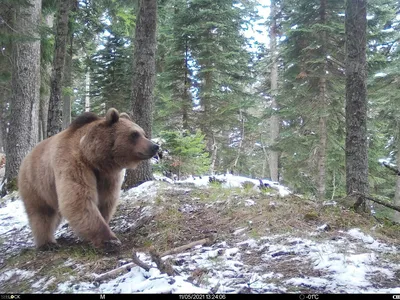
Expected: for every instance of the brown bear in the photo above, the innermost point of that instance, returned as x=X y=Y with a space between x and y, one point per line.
x=77 y=175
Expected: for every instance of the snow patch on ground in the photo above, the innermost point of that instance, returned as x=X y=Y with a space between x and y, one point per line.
x=12 y=216
x=346 y=264
x=16 y=274
x=232 y=181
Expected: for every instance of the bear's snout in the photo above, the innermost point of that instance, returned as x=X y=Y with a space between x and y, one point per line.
x=154 y=149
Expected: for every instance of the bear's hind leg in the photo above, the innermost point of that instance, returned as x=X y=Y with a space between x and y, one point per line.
x=44 y=221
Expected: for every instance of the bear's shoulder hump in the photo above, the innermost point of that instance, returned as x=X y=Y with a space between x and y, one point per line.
x=82 y=120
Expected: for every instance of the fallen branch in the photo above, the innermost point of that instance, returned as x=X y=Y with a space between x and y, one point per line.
x=187 y=246
x=163 y=266
x=118 y=271
x=394 y=169
x=137 y=261
x=114 y=273
x=394 y=207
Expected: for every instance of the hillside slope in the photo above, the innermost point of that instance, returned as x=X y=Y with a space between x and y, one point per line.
x=249 y=241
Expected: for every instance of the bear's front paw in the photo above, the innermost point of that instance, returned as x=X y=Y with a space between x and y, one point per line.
x=49 y=247
x=112 y=246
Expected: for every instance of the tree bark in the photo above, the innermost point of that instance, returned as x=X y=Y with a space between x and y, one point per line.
x=211 y=145
x=396 y=200
x=144 y=66
x=66 y=114
x=2 y=125
x=273 y=156
x=323 y=133
x=45 y=94
x=4 y=95
x=55 y=120
x=24 y=105
x=6 y=16
x=356 y=99
x=87 y=90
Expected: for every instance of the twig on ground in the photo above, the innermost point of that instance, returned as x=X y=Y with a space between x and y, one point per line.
x=163 y=266
x=114 y=273
x=118 y=271
x=179 y=249
x=137 y=261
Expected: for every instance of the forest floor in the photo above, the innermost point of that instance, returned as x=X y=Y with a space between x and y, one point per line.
x=249 y=241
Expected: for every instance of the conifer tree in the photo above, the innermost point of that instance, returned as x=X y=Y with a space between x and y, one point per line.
x=55 y=121
x=356 y=100
x=24 y=105
x=144 y=63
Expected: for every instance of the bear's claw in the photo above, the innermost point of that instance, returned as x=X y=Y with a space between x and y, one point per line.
x=112 y=246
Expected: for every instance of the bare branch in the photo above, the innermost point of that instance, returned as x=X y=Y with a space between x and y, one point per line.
x=187 y=246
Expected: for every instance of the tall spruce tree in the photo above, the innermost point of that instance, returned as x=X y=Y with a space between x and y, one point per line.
x=24 y=105
x=273 y=161
x=356 y=100
x=143 y=82
x=312 y=95
x=55 y=121
x=6 y=16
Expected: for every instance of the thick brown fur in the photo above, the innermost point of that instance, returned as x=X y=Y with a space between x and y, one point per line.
x=77 y=175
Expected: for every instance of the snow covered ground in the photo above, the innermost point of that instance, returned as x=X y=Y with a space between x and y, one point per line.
x=348 y=261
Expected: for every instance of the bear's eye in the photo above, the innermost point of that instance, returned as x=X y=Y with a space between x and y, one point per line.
x=135 y=135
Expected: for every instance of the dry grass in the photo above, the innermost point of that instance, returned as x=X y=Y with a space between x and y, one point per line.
x=186 y=215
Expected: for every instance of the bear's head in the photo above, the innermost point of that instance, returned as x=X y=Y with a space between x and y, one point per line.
x=116 y=142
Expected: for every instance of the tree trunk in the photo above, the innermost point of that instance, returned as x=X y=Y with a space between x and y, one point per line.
x=396 y=200
x=4 y=98
x=323 y=133
x=240 y=147
x=186 y=105
x=55 y=120
x=24 y=105
x=211 y=145
x=6 y=16
x=273 y=156
x=87 y=90
x=144 y=66
x=2 y=124
x=45 y=93
x=356 y=99
x=67 y=83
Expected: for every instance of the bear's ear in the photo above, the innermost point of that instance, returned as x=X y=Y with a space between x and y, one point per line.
x=112 y=116
x=125 y=116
